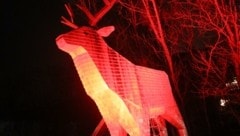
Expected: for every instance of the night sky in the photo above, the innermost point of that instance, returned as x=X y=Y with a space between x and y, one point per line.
x=41 y=93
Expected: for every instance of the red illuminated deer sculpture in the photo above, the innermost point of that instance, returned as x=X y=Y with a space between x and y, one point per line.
x=127 y=95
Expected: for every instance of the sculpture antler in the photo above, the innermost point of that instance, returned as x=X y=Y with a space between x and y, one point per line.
x=93 y=18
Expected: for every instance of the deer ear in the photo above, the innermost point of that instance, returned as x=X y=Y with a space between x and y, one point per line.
x=105 y=31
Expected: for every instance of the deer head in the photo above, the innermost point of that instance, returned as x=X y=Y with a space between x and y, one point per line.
x=84 y=35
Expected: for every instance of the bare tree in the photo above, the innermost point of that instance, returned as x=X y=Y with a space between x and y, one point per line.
x=209 y=31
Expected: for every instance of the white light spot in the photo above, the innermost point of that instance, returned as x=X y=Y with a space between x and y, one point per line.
x=223 y=102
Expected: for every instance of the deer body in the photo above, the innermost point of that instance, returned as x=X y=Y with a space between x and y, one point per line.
x=127 y=95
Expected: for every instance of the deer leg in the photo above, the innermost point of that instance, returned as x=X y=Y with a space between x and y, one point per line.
x=116 y=113
x=174 y=117
x=115 y=129
x=161 y=126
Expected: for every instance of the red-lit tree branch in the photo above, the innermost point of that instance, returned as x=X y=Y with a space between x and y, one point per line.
x=209 y=31
x=218 y=18
x=153 y=16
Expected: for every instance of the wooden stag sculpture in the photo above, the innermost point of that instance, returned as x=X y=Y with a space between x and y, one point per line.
x=127 y=95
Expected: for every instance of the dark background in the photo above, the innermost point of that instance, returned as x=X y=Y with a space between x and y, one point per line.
x=41 y=93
